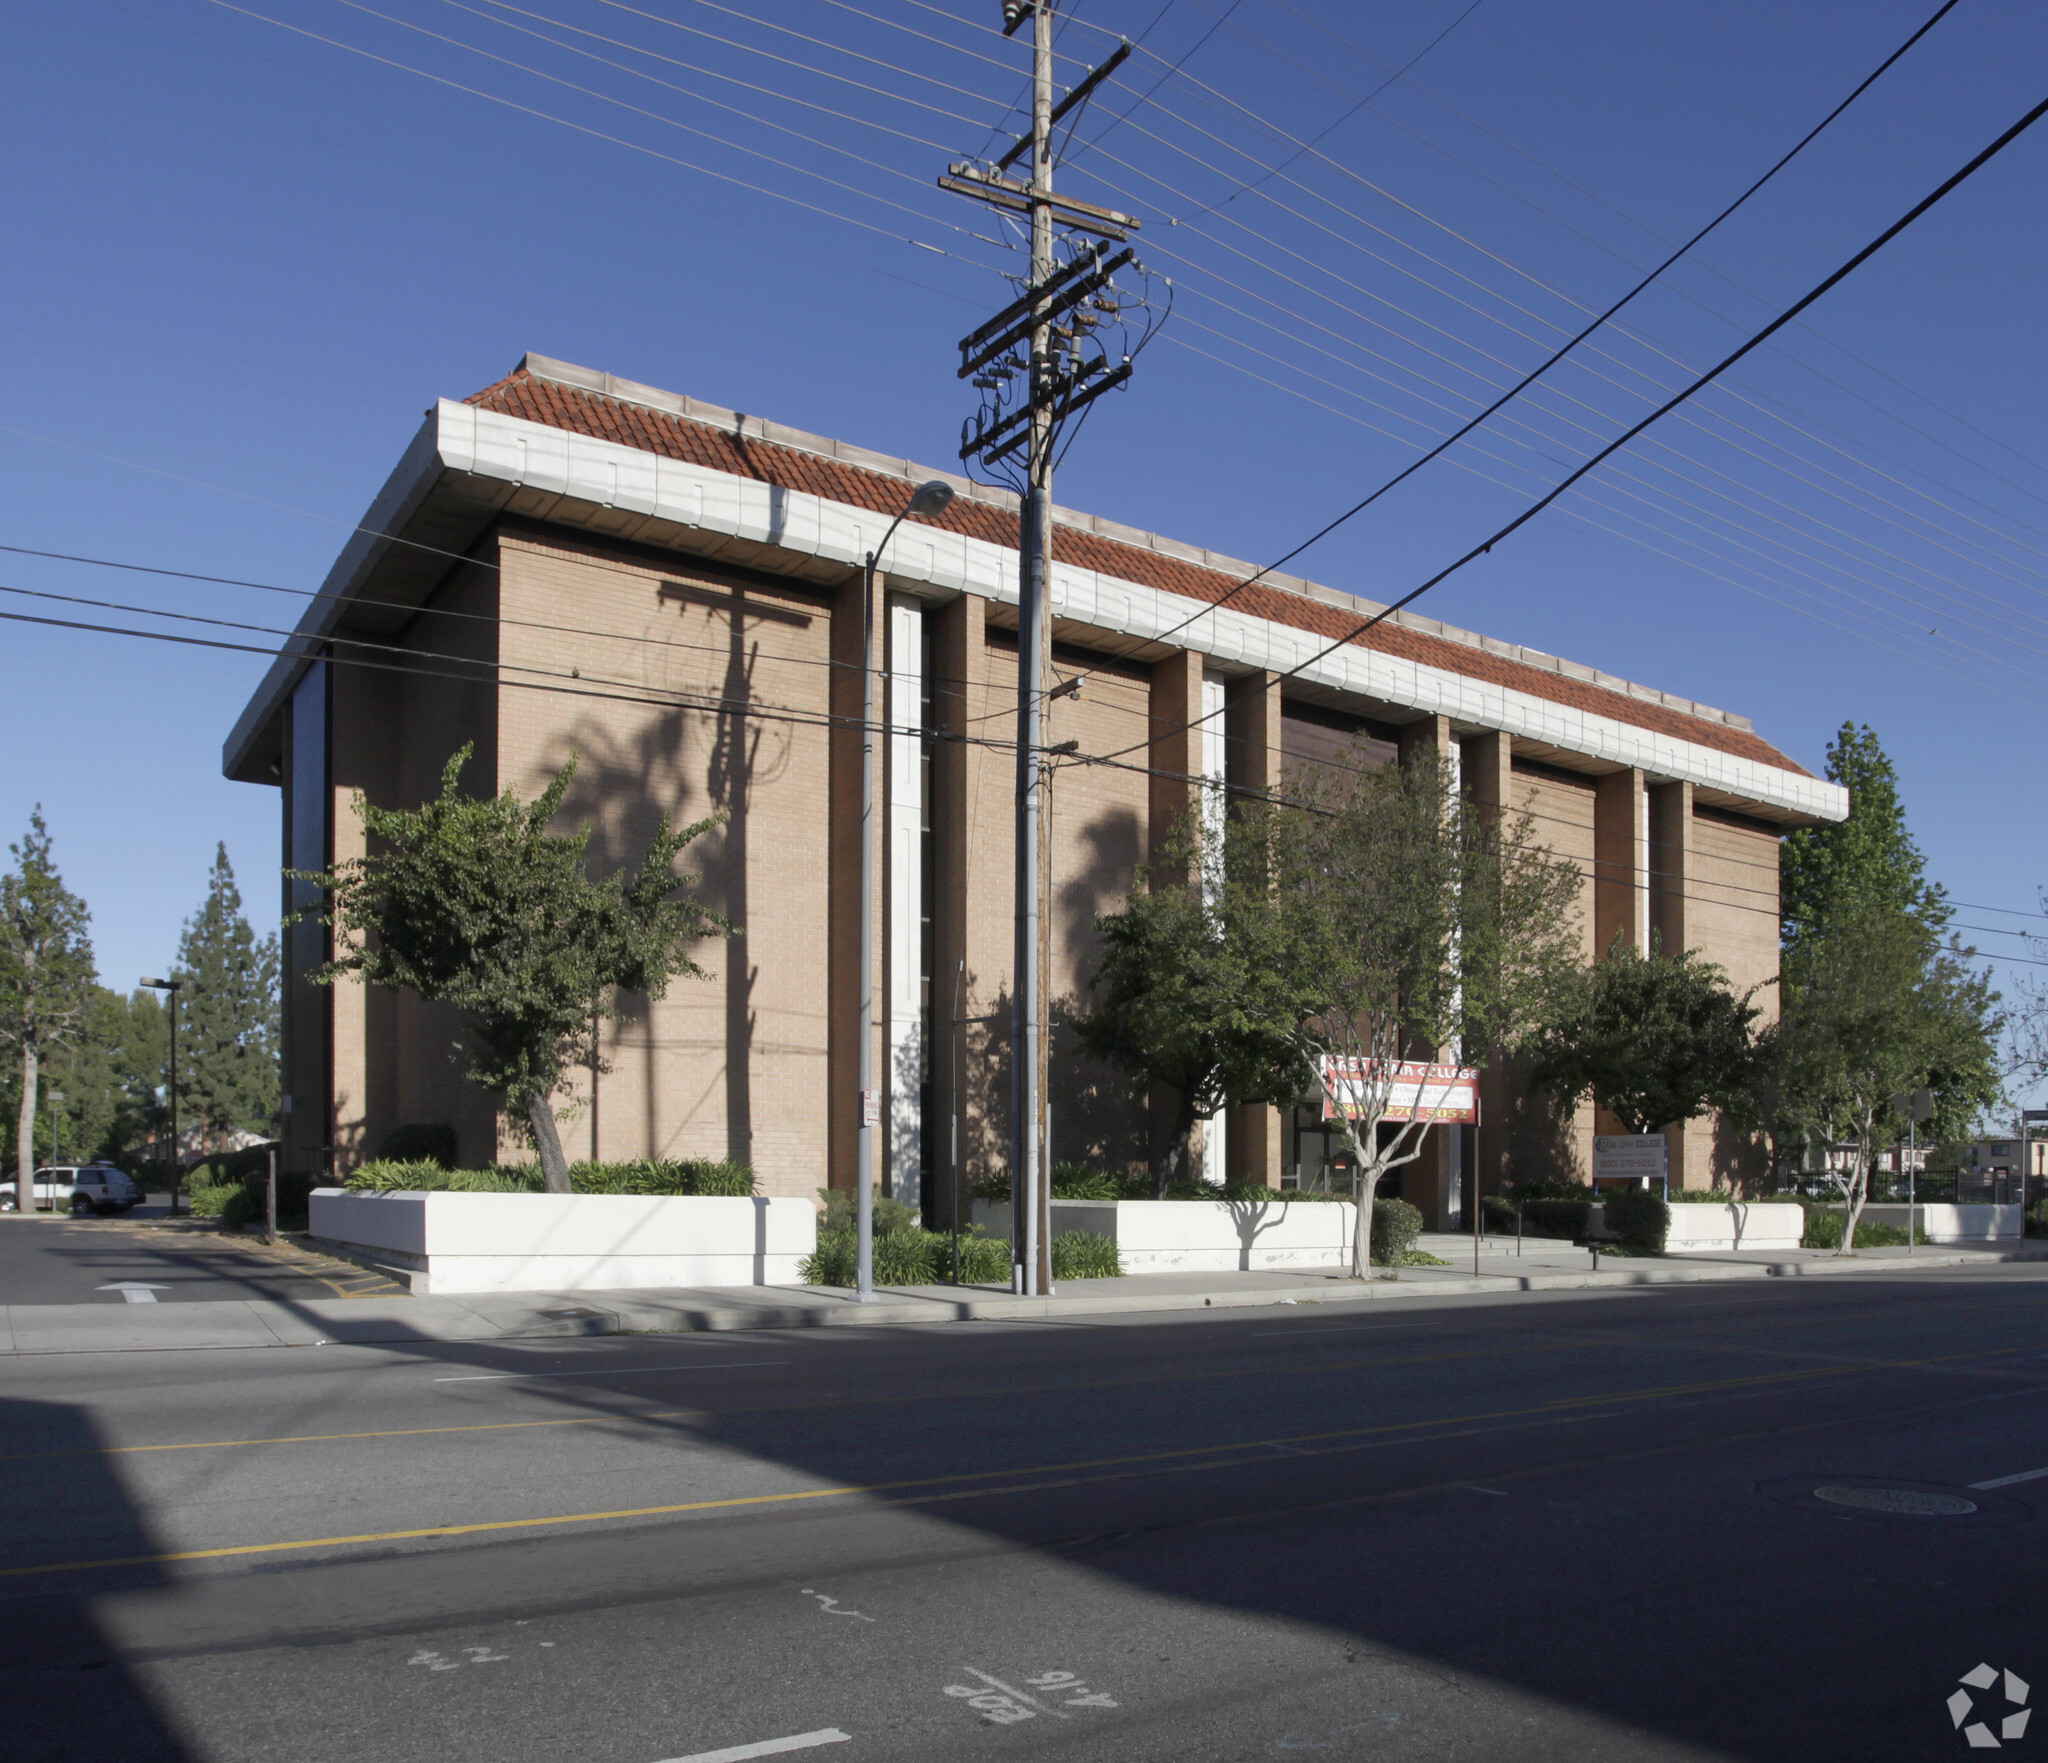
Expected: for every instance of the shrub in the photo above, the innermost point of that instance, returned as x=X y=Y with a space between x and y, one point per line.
x=1704 y=1197
x=1547 y=1217
x=208 y=1200
x=1085 y=1254
x=1641 y=1220
x=1499 y=1214
x=1549 y=1190
x=245 y=1206
x=2037 y=1219
x=695 y=1175
x=1395 y=1226
x=421 y=1142
x=840 y=1213
x=1824 y=1230
x=907 y=1257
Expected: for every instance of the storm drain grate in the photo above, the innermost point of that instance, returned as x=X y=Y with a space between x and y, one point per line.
x=1909 y=1502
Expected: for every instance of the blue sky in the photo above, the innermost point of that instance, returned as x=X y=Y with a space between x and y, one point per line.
x=246 y=260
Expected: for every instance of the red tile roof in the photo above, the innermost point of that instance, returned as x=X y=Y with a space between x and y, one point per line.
x=533 y=399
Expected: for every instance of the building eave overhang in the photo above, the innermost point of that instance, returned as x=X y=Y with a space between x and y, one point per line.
x=469 y=465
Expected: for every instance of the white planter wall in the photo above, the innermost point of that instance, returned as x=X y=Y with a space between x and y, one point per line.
x=1696 y=1228
x=570 y=1242
x=1951 y=1224
x=1202 y=1236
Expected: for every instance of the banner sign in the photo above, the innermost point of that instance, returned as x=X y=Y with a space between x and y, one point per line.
x=1414 y=1091
x=1629 y=1157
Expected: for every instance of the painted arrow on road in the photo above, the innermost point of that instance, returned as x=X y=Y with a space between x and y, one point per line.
x=134 y=1291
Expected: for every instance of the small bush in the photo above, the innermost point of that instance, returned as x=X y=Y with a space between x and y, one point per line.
x=1499 y=1214
x=1824 y=1231
x=1704 y=1197
x=247 y=1203
x=421 y=1142
x=1544 y=1216
x=2037 y=1219
x=907 y=1257
x=695 y=1175
x=208 y=1200
x=1395 y=1226
x=1549 y=1190
x=842 y=1213
x=1085 y=1254
x=701 y=1176
x=1641 y=1220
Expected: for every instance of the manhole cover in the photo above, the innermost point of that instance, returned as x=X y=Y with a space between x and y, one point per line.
x=1891 y=1499
x=1916 y=1502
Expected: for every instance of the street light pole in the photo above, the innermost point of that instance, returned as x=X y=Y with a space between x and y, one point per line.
x=929 y=499
x=174 y=987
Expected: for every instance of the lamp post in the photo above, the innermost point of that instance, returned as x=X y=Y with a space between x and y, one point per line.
x=928 y=499
x=174 y=987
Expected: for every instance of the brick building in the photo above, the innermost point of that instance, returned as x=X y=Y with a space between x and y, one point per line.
x=567 y=563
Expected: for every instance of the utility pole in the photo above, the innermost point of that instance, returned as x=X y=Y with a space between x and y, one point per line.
x=1051 y=322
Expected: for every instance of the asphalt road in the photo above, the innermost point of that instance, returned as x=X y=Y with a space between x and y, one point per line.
x=47 y=1260
x=1565 y=1526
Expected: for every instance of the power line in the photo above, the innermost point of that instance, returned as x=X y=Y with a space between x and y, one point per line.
x=1559 y=354
x=1807 y=299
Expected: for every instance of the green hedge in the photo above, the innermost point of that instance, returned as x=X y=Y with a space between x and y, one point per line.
x=910 y=1257
x=1081 y=1181
x=687 y=1176
x=1557 y=1218
x=1641 y=1220
x=1395 y=1226
x=419 y=1142
x=1085 y=1254
x=1824 y=1229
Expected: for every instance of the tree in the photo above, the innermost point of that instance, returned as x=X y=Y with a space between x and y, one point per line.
x=46 y=976
x=1175 y=1002
x=1875 y=1007
x=227 y=1014
x=476 y=904
x=1864 y=864
x=1392 y=920
x=1654 y=1039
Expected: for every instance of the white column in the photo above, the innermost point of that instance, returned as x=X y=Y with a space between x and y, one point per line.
x=1215 y=1141
x=903 y=915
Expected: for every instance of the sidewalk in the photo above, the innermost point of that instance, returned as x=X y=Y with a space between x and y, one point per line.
x=1543 y=1266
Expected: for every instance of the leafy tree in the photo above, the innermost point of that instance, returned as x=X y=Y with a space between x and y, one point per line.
x=1176 y=1003
x=1655 y=1039
x=46 y=977
x=1875 y=1007
x=1384 y=918
x=1867 y=863
x=227 y=1014
x=476 y=904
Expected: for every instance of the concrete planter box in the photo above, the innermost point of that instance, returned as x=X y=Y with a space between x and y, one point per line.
x=1202 y=1236
x=1950 y=1224
x=1736 y=1225
x=568 y=1242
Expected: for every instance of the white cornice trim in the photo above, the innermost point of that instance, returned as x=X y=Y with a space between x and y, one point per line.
x=606 y=474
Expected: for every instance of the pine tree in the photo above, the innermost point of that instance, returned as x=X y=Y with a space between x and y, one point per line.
x=46 y=977
x=227 y=1014
x=1865 y=864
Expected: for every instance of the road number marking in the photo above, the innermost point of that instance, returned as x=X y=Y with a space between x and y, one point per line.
x=1004 y=1705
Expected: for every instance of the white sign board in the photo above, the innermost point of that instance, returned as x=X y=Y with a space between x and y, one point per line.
x=1414 y=1091
x=1629 y=1157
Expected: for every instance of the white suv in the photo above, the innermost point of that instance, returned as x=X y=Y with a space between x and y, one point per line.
x=82 y=1187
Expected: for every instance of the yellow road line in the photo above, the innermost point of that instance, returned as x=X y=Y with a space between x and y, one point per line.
x=1559 y=1405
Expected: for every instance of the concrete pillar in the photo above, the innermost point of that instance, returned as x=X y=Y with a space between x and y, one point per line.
x=1488 y=772
x=1434 y=1182
x=842 y=964
x=1672 y=879
x=1175 y=755
x=1621 y=834
x=958 y=641
x=1258 y=1142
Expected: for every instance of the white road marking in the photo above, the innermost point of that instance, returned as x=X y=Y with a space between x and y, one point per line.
x=2006 y=1481
x=997 y=1683
x=802 y=1741
x=1474 y=1488
x=610 y=1371
x=830 y=1606
x=135 y=1293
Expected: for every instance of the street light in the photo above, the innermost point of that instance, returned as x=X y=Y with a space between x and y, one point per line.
x=929 y=499
x=174 y=987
